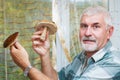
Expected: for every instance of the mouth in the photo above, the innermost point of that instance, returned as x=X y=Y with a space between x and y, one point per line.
x=89 y=41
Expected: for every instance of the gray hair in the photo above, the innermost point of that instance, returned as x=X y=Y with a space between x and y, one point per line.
x=98 y=10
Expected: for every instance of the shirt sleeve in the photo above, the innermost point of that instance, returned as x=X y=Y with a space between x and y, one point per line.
x=61 y=74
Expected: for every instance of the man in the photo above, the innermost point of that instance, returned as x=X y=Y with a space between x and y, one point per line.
x=99 y=60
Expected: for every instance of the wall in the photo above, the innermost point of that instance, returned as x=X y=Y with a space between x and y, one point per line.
x=114 y=9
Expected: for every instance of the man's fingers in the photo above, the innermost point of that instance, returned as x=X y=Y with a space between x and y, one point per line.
x=17 y=45
x=35 y=37
x=37 y=33
x=12 y=48
x=37 y=43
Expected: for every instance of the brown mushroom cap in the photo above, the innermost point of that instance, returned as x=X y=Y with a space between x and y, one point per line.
x=10 y=40
x=51 y=26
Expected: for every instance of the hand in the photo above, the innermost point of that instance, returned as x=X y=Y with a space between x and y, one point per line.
x=19 y=55
x=40 y=47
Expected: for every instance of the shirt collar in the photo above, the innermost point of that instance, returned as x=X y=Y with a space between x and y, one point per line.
x=100 y=54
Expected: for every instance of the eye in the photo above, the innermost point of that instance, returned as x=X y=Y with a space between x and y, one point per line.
x=96 y=26
x=83 y=26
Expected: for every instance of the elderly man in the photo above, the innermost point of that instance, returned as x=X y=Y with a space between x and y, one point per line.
x=99 y=60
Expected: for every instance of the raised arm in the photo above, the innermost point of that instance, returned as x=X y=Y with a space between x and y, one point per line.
x=43 y=49
x=21 y=58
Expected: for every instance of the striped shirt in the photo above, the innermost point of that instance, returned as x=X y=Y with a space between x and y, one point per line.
x=103 y=65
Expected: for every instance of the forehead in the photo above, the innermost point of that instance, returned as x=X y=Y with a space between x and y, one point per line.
x=90 y=19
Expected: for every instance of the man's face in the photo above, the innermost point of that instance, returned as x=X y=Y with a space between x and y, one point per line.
x=94 y=33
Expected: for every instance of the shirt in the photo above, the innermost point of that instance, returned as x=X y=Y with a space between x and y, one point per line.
x=103 y=65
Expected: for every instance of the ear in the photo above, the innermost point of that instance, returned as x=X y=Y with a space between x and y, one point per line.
x=110 y=31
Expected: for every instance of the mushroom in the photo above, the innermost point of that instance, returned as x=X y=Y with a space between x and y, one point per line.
x=48 y=26
x=10 y=40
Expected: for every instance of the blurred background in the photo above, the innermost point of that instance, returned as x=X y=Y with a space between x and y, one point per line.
x=20 y=15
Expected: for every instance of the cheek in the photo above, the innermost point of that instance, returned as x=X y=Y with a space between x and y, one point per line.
x=98 y=36
x=81 y=35
x=101 y=37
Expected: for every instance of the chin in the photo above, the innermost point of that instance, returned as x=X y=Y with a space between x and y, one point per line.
x=89 y=48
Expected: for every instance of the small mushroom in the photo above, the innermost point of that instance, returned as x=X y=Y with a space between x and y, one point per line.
x=48 y=26
x=10 y=40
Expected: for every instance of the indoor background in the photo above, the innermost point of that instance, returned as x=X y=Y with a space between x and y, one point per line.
x=20 y=15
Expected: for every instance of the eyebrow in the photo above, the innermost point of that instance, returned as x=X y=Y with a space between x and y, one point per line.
x=95 y=23
x=92 y=24
x=83 y=24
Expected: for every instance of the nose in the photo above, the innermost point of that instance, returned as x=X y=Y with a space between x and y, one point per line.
x=88 y=32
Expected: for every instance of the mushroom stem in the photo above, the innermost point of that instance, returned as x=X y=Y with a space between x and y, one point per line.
x=43 y=35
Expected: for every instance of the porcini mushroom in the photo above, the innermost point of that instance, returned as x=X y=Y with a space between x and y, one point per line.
x=48 y=26
x=10 y=40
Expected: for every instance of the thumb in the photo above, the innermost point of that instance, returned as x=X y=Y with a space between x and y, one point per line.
x=12 y=48
x=18 y=45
